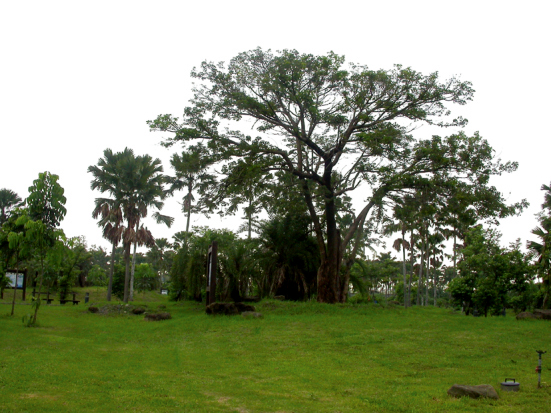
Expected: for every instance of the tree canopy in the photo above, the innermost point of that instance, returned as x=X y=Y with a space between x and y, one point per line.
x=333 y=130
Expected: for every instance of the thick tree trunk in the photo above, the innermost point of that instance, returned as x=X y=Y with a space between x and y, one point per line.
x=328 y=272
x=327 y=281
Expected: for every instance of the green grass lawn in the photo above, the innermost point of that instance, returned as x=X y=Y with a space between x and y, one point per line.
x=301 y=357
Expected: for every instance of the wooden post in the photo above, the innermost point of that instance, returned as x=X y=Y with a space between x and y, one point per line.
x=212 y=266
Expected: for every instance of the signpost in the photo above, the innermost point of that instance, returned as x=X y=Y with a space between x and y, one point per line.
x=17 y=279
x=212 y=266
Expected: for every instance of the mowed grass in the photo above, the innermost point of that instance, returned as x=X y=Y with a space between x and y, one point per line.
x=301 y=357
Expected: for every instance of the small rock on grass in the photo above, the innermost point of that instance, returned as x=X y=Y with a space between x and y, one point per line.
x=474 y=392
x=251 y=314
x=158 y=316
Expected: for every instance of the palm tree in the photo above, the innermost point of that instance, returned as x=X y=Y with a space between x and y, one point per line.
x=111 y=222
x=542 y=249
x=135 y=183
x=190 y=168
x=8 y=201
x=160 y=255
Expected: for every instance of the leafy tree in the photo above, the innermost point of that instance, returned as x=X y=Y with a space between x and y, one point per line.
x=335 y=131
x=46 y=210
x=146 y=278
x=13 y=250
x=8 y=201
x=489 y=275
x=73 y=263
x=97 y=276
x=160 y=256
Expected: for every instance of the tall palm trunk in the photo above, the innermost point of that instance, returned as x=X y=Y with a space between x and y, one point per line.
x=420 y=280
x=434 y=282
x=188 y=218
x=404 y=265
x=427 y=272
x=126 y=272
x=411 y=261
x=111 y=272
x=131 y=286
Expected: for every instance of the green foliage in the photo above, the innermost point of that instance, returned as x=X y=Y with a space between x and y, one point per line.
x=118 y=281
x=145 y=278
x=288 y=257
x=324 y=131
x=97 y=276
x=27 y=320
x=188 y=272
x=8 y=201
x=490 y=276
x=46 y=201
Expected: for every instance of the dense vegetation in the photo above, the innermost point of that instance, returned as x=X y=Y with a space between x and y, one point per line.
x=325 y=133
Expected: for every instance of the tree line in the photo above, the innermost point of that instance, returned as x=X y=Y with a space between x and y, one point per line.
x=333 y=164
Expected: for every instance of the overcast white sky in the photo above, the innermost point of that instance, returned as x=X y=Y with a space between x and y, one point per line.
x=78 y=77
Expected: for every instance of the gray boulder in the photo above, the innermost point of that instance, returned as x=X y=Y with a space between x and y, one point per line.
x=474 y=392
x=525 y=316
x=544 y=314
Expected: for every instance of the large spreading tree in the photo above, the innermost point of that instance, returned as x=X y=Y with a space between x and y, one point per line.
x=335 y=130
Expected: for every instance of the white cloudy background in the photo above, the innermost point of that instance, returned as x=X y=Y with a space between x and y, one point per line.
x=77 y=77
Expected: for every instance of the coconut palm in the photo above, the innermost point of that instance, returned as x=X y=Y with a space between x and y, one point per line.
x=8 y=201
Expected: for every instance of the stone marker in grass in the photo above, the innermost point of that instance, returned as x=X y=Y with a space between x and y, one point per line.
x=474 y=392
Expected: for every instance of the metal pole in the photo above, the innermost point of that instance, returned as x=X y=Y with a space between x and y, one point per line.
x=538 y=369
